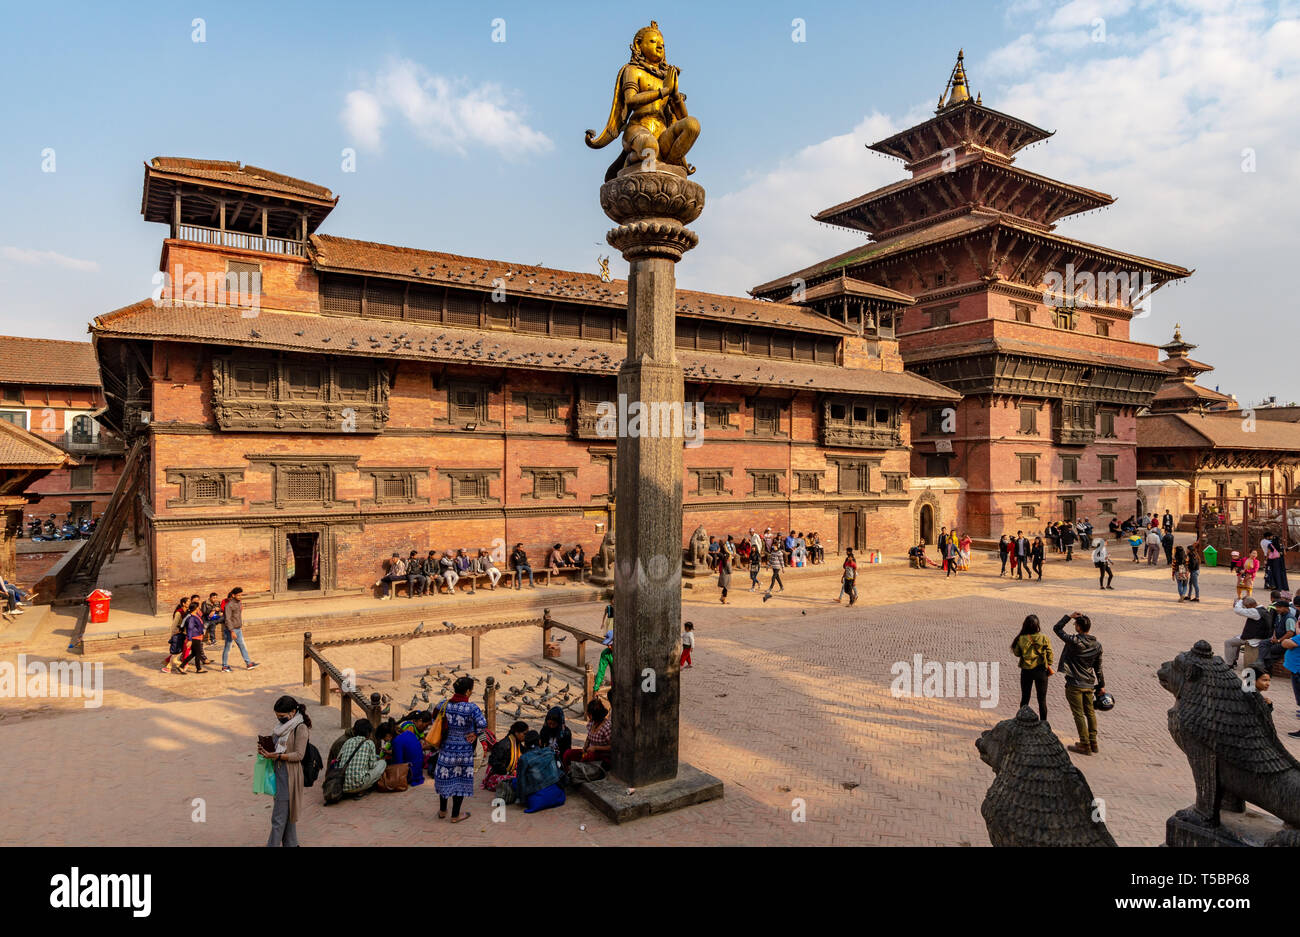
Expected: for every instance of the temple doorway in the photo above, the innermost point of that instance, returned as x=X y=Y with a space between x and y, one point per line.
x=302 y=562
x=927 y=524
x=848 y=530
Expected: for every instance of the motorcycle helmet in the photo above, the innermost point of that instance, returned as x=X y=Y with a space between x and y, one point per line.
x=1105 y=702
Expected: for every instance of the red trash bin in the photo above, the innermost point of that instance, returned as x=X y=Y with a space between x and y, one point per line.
x=99 y=601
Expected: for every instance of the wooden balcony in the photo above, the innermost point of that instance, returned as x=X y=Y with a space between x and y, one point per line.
x=862 y=437
x=1075 y=435
x=240 y=240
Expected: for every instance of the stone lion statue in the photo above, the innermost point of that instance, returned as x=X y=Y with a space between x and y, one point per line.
x=1038 y=797
x=699 y=549
x=1228 y=736
x=602 y=564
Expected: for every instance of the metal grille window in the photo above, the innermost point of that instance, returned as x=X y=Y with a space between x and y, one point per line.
x=303 y=486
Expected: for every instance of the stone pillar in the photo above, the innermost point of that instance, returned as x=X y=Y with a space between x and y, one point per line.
x=651 y=209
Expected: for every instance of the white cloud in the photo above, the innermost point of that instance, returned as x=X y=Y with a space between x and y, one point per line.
x=446 y=113
x=31 y=258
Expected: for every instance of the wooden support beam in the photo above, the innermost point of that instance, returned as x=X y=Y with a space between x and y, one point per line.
x=324 y=688
x=582 y=653
x=345 y=712
x=397 y=660
x=475 y=649
x=588 y=683
x=490 y=702
x=306 y=658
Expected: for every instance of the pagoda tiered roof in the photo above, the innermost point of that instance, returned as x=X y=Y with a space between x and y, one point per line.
x=965 y=127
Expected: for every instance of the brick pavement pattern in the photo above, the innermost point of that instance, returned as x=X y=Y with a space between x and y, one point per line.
x=789 y=704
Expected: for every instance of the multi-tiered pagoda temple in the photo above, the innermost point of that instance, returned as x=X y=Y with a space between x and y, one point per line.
x=1030 y=326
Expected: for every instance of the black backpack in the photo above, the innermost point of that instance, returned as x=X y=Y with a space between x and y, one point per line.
x=311 y=765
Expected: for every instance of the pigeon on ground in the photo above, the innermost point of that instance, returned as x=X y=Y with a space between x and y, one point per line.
x=419 y=627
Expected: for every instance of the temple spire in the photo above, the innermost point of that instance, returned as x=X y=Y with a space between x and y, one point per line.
x=957 y=85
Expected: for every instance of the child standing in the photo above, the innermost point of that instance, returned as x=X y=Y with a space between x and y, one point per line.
x=688 y=642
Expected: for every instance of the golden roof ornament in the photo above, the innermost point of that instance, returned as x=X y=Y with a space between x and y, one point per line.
x=957 y=84
x=649 y=110
x=603 y=262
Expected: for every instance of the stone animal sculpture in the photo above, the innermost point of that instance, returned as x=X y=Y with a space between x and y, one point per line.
x=699 y=551
x=602 y=563
x=1038 y=797
x=1228 y=736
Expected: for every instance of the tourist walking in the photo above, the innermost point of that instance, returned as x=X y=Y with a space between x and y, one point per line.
x=1153 y=547
x=1179 y=572
x=1276 y=564
x=1081 y=667
x=849 y=579
x=964 y=551
x=1068 y=537
x=1101 y=560
x=1034 y=650
x=232 y=629
x=755 y=564
x=1004 y=550
x=453 y=775
x=1036 y=557
x=688 y=643
x=1022 y=554
x=1135 y=540
x=194 y=629
x=288 y=746
x=724 y=575
x=1193 y=572
x=1167 y=544
x=774 y=562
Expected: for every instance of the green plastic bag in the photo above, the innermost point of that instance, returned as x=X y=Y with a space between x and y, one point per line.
x=264 y=776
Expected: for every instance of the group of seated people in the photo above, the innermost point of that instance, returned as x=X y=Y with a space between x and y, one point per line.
x=428 y=575
x=795 y=548
x=14 y=600
x=1266 y=629
x=525 y=765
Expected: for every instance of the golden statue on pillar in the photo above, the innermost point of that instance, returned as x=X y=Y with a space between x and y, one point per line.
x=648 y=110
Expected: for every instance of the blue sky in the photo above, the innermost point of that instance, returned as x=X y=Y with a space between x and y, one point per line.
x=473 y=146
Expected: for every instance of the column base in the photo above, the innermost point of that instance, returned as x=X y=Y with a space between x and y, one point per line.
x=691 y=786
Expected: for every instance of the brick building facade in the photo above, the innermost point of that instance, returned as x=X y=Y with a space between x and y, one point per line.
x=51 y=388
x=313 y=403
x=1030 y=326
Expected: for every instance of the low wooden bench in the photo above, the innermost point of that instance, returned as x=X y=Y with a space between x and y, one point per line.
x=549 y=571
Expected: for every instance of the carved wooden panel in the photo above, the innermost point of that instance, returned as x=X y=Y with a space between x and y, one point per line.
x=299 y=393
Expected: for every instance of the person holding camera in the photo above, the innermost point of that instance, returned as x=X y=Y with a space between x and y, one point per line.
x=1080 y=664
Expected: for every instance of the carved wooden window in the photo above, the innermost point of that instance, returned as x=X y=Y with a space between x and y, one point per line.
x=1107 y=468
x=1106 y=421
x=1108 y=506
x=548 y=482
x=533 y=317
x=499 y=312
x=684 y=334
x=204 y=487
x=243 y=279
x=1024 y=313
x=305 y=382
x=469 y=486
x=16 y=417
x=1102 y=326
x=1063 y=318
x=735 y=340
x=936 y=466
x=1028 y=420
x=354 y=384
x=303 y=485
x=808 y=482
x=767 y=419
x=782 y=345
x=766 y=483
x=710 y=338
x=1028 y=467
x=543 y=408
x=392 y=488
x=599 y=325
x=941 y=315
x=718 y=415
x=568 y=322
x=711 y=482
x=341 y=296
x=804 y=348
x=935 y=419
x=855 y=478
x=1069 y=468
x=384 y=301
x=463 y=309
x=1029 y=509
x=424 y=304
x=467 y=403
x=81 y=477
x=396 y=485
x=894 y=483
x=252 y=380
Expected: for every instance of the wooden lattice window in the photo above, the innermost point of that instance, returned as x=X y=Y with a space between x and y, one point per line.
x=710 y=338
x=243 y=279
x=424 y=304
x=81 y=478
x=303 y=485
x=599 y=326
x=568 y=323
x=393 y=487
x=469 y=486
x=804 y=349
x=252 y=381
x=549 y=482
x=341 y=296
x=463 y=310
x=467 y=403
x=809 y=482
x=384 y=301
x=894 y=483
x=765 y=483
x=767 y=419
x=305 y=382
x=354 y=385
x=205 y=489
x=533 y=317
x=711 y=483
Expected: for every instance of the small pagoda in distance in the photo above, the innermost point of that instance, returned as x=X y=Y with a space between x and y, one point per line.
x=1180 y=393
x=984 y=295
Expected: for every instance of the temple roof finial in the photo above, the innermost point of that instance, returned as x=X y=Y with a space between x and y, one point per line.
x=960 y=90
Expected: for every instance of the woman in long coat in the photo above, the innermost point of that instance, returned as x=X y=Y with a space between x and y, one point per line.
x=724 y=575
x=289 y=745
x=453 y=775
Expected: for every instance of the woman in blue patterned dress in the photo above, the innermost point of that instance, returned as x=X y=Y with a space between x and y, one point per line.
x=453 y=776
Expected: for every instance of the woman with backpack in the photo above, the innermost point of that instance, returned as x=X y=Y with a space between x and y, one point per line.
x=1034 y=650
x=1180 y=573
x=286 y=749
x=849 y=581
x=453 y=774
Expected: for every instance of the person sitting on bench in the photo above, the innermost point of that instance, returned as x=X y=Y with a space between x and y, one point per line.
x=484 y=565
x=519 y=560
x=576 y=557
x=1256 y=632
x=554 y=559
x=396 y=573
x=447 y=565
x=417 y=583
x=464 y=565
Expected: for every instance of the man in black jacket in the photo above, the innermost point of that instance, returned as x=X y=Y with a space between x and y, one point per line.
x=1022 y=555
x=1067 y=541
x=1080 y=664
